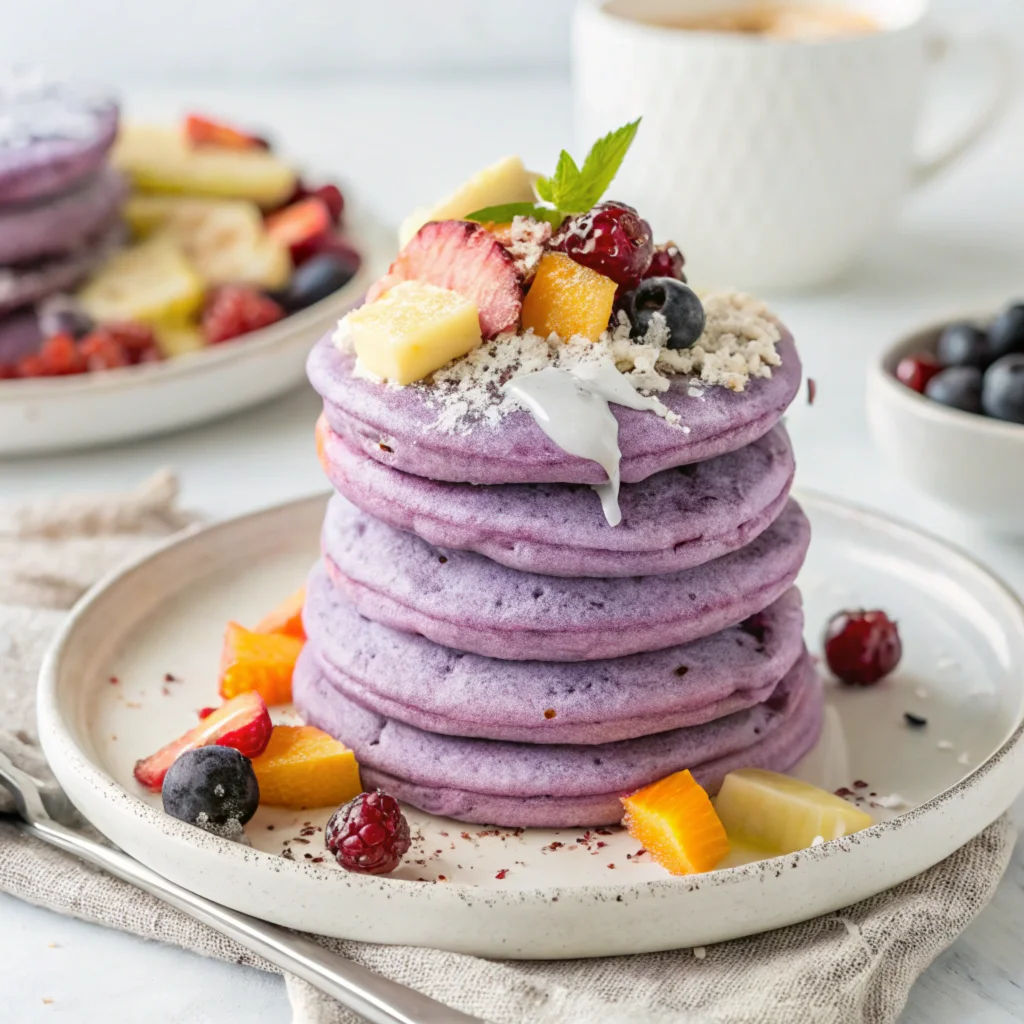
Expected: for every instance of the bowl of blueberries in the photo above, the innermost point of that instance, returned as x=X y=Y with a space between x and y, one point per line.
x=946 y=405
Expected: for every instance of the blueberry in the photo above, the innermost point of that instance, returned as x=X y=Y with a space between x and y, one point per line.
x=958 y=387
x=963 y=344
x=64 y=318
x=316 y=279
x=675 y=301
x=1002 y=394
x=210 y=787
x=1006 y=335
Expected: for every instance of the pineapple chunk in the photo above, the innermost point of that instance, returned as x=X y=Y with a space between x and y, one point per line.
x=178 y=339
x=413 y=330
x=161 y=160
x=568 y=299
x=779 y=814
x=152 y=282
x=507 y=181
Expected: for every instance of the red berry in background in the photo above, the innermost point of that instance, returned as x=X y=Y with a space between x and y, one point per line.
x=916 y=370
x=103 y=352
x=368 y=835
x=31 y=366
x=612 y=239
x=202 y=131
x=300 y=227
x=135 y=338
x=862 y=647
x=235 y=309
x=8 y=371
x=333 y=200
x=667 y=261
x=62 y=356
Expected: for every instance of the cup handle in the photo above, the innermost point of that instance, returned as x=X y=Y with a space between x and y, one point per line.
x=987 y=117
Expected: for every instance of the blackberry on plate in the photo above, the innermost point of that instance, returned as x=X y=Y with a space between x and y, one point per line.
x=369 y=835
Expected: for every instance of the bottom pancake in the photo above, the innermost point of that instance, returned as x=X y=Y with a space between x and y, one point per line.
x=529 y=785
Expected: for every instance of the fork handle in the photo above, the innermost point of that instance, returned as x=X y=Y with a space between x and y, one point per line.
x=378 y=999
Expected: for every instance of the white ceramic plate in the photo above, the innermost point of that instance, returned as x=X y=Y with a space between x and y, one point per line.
x=511 y=893
x=65 y=413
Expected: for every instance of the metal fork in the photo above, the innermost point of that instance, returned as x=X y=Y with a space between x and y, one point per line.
x=379 y=1000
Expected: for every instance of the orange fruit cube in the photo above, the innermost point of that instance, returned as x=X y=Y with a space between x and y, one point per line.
x=286 y=617
x=673 y=819
x=263 y=662
x=304 y=767
x=568 y=299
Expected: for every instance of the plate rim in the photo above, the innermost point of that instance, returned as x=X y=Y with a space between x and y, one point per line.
x=55 y=732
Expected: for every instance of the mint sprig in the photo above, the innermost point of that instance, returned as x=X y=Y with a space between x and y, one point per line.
x=571 y=189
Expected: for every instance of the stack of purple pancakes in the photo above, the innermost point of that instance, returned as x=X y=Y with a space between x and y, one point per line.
x=60 y=201
x=493 y=651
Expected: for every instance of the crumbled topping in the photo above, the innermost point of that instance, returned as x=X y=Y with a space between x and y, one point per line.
x=527 y=243
x=738 y=344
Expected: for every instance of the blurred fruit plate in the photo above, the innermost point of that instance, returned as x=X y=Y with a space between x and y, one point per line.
x=139 y=656
x=65 y=413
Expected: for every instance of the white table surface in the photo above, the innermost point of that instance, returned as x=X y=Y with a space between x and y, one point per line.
x=959 y=246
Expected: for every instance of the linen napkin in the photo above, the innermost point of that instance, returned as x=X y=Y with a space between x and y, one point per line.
x=855 y=966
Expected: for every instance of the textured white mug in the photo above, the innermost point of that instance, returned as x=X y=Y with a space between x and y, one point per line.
x=772 y=163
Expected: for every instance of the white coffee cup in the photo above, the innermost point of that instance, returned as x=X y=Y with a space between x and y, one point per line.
x=772 y=163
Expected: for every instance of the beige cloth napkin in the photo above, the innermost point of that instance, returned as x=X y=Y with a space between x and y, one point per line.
x=856 y=966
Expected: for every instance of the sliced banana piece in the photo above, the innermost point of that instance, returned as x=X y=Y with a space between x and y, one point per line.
x=152 y=283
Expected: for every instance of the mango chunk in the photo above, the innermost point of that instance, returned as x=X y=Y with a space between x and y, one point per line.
x=263 y=662
x=286 y=618
x=673 y=819
x=413 y=330
x=304 y=767
x=506 y=181
x=779 y=814
x=568 y=299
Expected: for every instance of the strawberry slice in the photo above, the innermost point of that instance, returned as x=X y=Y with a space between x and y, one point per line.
x=202 y=131
x=301 y=226
x=466 y=258
x=242 y=723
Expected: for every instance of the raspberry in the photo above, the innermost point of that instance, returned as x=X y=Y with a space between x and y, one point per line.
x=135 y=338
x=8 y=371
x=102 y=352
x=61 y=356
x=612 y=239
x=233 y=310
x=368 y=835
x=862 y=647
x=667 y=261
x=32 y=366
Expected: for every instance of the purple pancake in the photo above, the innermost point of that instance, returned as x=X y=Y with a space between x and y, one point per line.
x=412 y=680
x=515 y=784
x=673 y=520
x=20 y=336
x=23 y=285
x=395 y=426
x=52 y=136
x=62 y=224
x=461 y=599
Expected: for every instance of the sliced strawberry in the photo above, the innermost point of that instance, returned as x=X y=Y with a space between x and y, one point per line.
x=202 y=131
x=102 y=351
x=61 y=356
x=242 y=723
x=468 y=259
x=134 y=337
x=334 y=201
x=205 y=712
x=300 y=226
x=232 y=310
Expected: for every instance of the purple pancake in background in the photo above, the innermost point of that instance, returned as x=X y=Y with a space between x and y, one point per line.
x=522 y=785
x=52 y=135
x=20 y=336
x=412 y=680
x=673 y=520
x=395 y=426
x=461 y=599
x=60 y=224
x=21 y=286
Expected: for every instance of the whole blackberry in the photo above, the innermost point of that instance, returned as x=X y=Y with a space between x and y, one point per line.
x=369 y=834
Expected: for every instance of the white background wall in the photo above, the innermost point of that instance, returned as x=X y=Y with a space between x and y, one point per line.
x=120 y=41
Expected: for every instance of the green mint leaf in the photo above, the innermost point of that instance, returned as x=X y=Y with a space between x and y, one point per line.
x=542 y=186
x=577 y=190
x=504 y=213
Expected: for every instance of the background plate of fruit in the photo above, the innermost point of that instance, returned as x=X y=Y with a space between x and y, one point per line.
x=224 y=266
x=164 y=712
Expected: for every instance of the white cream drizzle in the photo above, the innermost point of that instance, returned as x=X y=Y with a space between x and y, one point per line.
x=572 y=409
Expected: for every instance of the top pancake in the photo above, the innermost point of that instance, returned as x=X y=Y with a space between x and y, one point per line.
x=396 y=427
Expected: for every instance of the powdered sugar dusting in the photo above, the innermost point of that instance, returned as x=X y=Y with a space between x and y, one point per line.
x=34 y=108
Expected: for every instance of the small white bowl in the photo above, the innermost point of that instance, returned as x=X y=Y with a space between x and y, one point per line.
x=970 y=463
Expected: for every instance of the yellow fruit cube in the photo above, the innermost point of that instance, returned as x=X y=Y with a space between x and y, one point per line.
x=178 y=339
x=779 y=814
x=304 y=767
x=162 y=160
x=152 y=282
x=507 y=181
x=568 y=299
x=413 y=330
